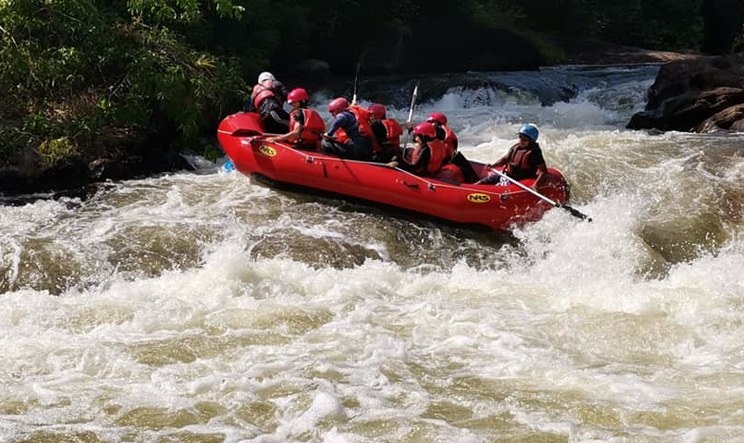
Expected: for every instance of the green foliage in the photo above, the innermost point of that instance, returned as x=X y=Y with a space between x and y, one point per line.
x=183 y=85
x=69 y=68
x=552 y=53
x=170 y=12
x=56 y=151
x=10 y=140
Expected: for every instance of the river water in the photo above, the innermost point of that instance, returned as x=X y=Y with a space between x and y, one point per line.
x=203 y=307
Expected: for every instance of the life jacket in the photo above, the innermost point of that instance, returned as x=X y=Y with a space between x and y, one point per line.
x=394 y=131
x=313 y=127
x=450 y=142
x=261 y=93
x=518 y=164
x=365 y=128
x=343 y=137
x=437 y=152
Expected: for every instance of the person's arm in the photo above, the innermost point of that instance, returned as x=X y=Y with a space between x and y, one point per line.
x=299 y=126
x=423 y=161
x=337 y=124
x=249 y=104
x=490 y=179
x=542 y=169
x=499 y=162
x=295 y=133
x=280 y=90
x=380 y=133
x=504 y=159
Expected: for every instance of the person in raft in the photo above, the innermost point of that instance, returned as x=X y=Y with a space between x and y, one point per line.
x=444 y=133
x=387 y=134
x=267 y=98
x=448 y=136
x=428 y=152
x=523 y=160
x=305 y=124
x=343 y=137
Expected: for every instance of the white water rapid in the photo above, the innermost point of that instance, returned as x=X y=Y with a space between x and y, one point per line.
x=204 y=307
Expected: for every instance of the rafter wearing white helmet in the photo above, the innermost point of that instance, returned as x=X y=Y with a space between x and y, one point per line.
x=262 y=77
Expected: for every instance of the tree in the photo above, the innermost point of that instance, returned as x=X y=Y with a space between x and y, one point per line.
x=72 y=67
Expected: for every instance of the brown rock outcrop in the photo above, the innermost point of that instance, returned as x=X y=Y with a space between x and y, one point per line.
x=704 y=94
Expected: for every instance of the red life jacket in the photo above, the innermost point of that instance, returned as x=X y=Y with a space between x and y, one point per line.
x=261 y=93
x=438 y=153
x=394 y=131
x=450 y=142
x=365 y=128
x=518 y=164
x=313 y=127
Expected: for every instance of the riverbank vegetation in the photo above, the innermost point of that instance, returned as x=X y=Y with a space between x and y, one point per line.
x=80 y=77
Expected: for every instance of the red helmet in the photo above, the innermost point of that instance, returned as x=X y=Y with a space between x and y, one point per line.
x=378 y=111
x=297 y=95
x=338 y=104
x=426 y=130
x=437 y=117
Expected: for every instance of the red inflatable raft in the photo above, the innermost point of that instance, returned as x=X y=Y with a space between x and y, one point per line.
x=496 y=207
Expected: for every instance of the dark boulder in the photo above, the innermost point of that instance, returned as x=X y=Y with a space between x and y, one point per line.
x=700 y=95
x=112 y=155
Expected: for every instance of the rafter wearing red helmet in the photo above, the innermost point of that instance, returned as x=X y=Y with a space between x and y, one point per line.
x=305 y=124
x=428 y=152
x=343 y=137
x=444 y=133
x=386 y=132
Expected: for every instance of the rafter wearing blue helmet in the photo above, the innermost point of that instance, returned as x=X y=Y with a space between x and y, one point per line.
x=523 y=161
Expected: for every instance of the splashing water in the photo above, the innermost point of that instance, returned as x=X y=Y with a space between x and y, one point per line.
x=209 y=308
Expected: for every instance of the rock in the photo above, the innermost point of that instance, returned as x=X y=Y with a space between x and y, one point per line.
x=700 y=95
x=584 y=51
x=115 y=155
x=732 y=118
x=738 y=125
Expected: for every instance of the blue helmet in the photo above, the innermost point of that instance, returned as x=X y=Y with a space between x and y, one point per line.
x=530 y=131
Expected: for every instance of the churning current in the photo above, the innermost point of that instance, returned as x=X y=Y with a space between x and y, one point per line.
x=204 y=307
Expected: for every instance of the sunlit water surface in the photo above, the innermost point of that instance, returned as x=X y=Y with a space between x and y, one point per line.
x=204 y=307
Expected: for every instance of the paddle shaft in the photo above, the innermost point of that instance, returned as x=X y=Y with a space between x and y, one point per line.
x=413 y=103
x=410 y=115
x=574 y=212
x=356 y=80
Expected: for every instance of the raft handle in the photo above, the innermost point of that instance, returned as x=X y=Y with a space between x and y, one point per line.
x=410 y=185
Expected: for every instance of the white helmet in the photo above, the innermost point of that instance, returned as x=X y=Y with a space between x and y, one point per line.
x=265 y=76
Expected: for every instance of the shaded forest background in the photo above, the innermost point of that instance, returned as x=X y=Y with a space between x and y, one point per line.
x=90 y=79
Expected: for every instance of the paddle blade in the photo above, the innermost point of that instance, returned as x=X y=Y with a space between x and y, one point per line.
x=576 y=213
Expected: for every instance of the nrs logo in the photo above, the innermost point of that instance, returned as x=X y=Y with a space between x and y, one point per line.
x=479 y=198
x=267 y=150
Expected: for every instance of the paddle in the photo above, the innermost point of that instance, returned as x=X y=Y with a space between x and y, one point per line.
x=410 y=115
x=575 y=212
